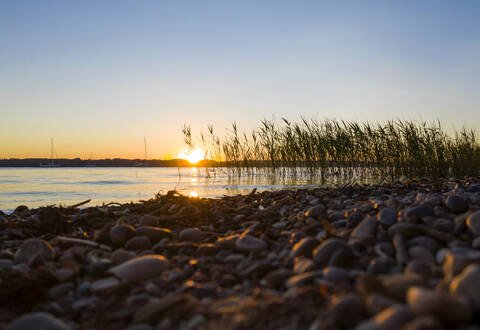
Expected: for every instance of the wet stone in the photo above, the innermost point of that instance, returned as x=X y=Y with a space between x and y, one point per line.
x=155 y=234
x=37 y=321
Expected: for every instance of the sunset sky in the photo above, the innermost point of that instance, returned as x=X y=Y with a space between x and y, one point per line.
x=99 y=76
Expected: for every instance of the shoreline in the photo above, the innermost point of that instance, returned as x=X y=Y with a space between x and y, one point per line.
x=390 y=255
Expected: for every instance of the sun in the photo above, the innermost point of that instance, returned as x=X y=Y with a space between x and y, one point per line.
x=193 y=156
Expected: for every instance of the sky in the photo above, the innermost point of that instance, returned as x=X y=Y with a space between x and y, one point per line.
x=100 y=76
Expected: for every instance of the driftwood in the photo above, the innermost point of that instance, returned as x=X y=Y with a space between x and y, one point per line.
x=83 y=242
x=78 y=204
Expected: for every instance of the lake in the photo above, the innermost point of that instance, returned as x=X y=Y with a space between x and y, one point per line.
x=36 y=187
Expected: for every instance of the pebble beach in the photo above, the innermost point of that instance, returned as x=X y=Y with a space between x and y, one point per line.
x=391 y=256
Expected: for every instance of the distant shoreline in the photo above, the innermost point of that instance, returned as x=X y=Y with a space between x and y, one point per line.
x=117 y=162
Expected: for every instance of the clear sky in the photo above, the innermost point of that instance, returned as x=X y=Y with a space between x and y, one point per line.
x=99 y=76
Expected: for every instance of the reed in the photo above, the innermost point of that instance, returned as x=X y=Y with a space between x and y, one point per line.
x=351 y=149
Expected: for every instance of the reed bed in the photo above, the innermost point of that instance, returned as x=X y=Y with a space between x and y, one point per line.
x=346 y=149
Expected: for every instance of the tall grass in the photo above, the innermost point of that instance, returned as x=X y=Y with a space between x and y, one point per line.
x=346 y=148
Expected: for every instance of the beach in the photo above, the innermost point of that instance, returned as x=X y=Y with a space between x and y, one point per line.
x=392 y=256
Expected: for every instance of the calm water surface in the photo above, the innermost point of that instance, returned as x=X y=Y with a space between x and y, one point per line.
x=36 y=187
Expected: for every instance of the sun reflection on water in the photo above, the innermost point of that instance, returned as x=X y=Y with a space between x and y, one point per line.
x=193 y=194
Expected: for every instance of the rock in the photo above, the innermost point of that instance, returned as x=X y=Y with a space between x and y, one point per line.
x=445 y=225
x=473 y=223
x=323 y=253
x=149 y=220
x=365 y=232
x=34 y=251
x=140 y=268
x=303 y=279
x=37 y=321
x=452 y=309
x=60 y=290
x=276 y=278
x=394 y=317
x=457 y=259
x=421 y=253
x=120 y=234
x=456 y=204
x=377 y=302
x=302 y=265
x=120 y=256
x=316 y=211
x=191 y=235
x=424 y=323
x=407 y=230
x=350 y=305
x=138 y=243
x=105 y=286
x=336 y=275
x=387 y=217
x=170 y=305
x=153 y=233
x=468 y=285
x=397 y=285
x=419 y=267
x=418 y=212
x=304 y=247
x=247 y=243
x=426 y=242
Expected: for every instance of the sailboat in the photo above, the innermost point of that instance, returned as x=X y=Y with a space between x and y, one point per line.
x=52 y=163
x=142 y=164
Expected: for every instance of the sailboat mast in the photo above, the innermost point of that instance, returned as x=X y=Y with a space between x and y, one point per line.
x=145 y=142
x=51 y=142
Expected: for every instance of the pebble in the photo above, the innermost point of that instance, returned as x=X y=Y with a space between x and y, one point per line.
x=377 y=302
x=387 y=217
x=407 y=230
x=155 y=234
x=105 y=286
x=424 y=323
x=394 y=317
x=247 y=243
x=191 y=235
x=140 y=268
x=473 y=223
x=456 y=204
x=323 y=253
x=120 y=234
x=335 y=275
x=60 y=290
x=149 y=220
x=34 y=251
x=120 y=256
x=138 y=243
x=37 y=321
x=365 y=232
x=316 y=211
x=447 y=307
x=418 y=212
x=304 y=247
x=349 y=305
x=468 y=284
x=397 y=285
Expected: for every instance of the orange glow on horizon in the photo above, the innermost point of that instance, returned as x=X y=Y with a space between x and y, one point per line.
x=193 y=156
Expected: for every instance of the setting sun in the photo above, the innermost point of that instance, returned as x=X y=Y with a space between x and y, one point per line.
x=193 y=156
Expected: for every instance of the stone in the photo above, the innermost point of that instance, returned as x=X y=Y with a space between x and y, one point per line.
x=247 y=243
x=445 y=225
x=350 y=305
x=37 y=321
x=456 y=204
x=316 y=211
x=394 y=317
x=407 y=230
x=424 y=323
x=365 y=232
x=303 y=264
x=141 y=268
x=105 y=286
x=60 y=290
x=426 y=242
x=336 y=275
x=153 y=233
x=137 y=243
x=304 y=247
x=457 y=259
x=421 y=253
x=155 y=311
x=120 y=234
x=191 y=235
x=323 y=253
x=303 y=279
x=397 y=285
x=377 y=302
x=418 y=212
x=387 y=217
x=277 y=277
x=34 y=251
x=120 y=256
x=473 y=223
x=419 y=267
x=149 y=220
x=468 y=284
x=454 y=309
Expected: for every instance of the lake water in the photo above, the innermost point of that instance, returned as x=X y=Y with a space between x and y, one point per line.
x=36 y=187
